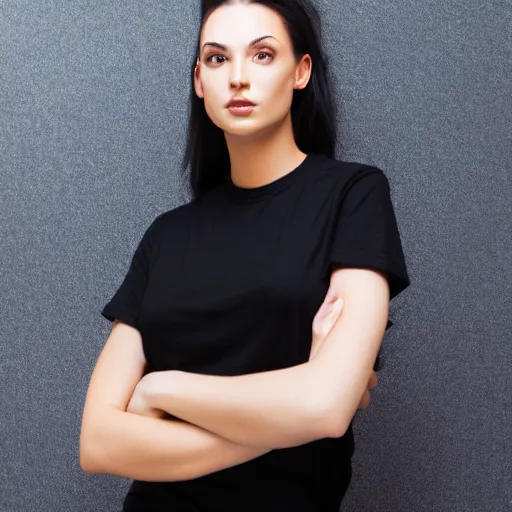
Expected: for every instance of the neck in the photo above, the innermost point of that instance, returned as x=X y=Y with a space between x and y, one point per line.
x=263 y=157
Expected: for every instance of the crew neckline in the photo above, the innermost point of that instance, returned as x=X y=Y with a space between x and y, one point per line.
x=256 y=193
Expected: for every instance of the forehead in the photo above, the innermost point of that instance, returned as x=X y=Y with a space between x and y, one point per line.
x=237 y=25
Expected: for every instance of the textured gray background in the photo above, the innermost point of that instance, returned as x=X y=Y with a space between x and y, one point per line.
x=92 y=117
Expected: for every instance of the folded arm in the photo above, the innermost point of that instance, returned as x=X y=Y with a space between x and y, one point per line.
x=117 y=442
x=158 y=450
x=291 y=406
x=269 y=409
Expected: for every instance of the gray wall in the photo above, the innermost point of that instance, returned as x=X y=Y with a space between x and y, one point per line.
x=92 y=116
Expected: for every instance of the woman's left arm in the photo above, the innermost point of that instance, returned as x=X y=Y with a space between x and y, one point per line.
x=290 y=406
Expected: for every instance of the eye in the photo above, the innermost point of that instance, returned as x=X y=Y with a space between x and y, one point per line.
x=265 y=53
x=215 y=55
x=209 y=59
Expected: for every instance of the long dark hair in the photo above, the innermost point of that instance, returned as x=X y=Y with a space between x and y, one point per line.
x=313 y=110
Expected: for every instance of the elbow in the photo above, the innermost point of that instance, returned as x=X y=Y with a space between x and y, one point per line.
x=335 y=424
x=330 y=420
x=97 y=440
x=90 y=452
x=86 y=464
x=338 y=427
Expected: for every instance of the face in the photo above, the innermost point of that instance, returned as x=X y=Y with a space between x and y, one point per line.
x=263 y=71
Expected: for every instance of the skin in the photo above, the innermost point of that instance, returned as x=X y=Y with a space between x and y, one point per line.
x=121 y=433
x=261 y=145
x=324 y=320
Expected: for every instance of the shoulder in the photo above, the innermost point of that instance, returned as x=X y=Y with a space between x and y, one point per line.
x=339 y=178
x=178 y=219
x=347 y=172
x=160 y=223
x=175 y=214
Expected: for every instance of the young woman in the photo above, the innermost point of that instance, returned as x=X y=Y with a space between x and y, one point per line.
x=231 y=376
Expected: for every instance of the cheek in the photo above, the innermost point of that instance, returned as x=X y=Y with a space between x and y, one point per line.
x=278 y=97
x=213 y=110
x=213 y=93
x=276 y=88
x=214 y=96
x=272 y=90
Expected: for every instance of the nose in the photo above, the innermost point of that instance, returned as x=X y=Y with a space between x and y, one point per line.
x=237 y=77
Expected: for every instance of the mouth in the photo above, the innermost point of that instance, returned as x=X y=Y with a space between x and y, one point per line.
x=240 y=104
x=240 y=107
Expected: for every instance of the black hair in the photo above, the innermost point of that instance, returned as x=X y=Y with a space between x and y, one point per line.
x=313 y=110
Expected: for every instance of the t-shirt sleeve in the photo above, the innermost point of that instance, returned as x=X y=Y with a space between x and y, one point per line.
x=366 y=233
x=125 y=303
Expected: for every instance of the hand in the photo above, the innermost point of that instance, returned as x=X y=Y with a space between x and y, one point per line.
x=324 y=321
x=138 y=402
x=365 y=401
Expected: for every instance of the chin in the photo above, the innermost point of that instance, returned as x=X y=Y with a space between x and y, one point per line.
x=241 y=127
x=242 y=131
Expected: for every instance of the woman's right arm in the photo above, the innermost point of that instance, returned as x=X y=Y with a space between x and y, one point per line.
x=117 y=442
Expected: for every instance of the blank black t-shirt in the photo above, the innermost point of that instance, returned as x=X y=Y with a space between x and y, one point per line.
x=229 y=284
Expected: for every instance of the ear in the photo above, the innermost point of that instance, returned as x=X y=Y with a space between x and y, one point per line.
x=303 y=72
x=197 y=80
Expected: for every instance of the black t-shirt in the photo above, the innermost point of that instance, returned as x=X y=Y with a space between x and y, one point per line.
x=229 y=284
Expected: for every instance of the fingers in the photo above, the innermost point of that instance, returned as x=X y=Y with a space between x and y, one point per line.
x=324 y=321
x=327 y=315
x=327 y=306
x=335 y=310
x=374 y=379
x=365 y=401
x=334 y=314
x=323 y=312
x=330 y=305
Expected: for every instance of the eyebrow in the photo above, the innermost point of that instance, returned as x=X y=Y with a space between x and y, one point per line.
x=224 y=47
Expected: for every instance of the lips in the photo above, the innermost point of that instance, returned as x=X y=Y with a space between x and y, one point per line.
x=240 y=103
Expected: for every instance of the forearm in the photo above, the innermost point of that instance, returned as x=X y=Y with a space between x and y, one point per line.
x=276 y=409
x=153 y=449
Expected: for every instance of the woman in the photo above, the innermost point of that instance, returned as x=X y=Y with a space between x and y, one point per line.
x=231 y=377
